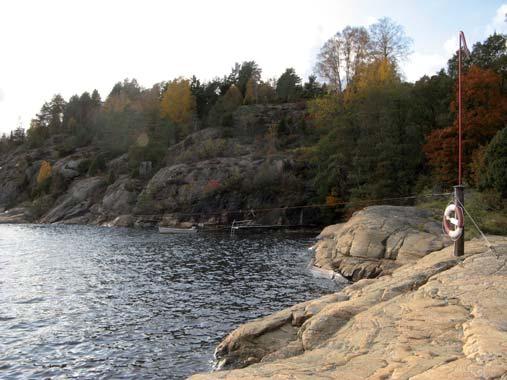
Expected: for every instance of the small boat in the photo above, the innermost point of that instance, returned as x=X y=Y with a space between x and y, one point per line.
x=175 y=230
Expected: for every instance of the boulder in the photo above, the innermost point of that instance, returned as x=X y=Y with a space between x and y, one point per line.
x=119 y=165
x=377 y=240
x=15 y=215
x=119 y=197
x=440 y=317
x=181 y=186
x=75 y=204
x=12 y=178
x=68 y=167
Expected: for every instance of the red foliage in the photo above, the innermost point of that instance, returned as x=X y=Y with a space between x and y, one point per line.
x=212 y=185
x=484 y=110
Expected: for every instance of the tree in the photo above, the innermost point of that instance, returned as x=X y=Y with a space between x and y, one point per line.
x=341 y=57
x=387 y=155
x=122 y=117
x=123 y=95
x=18 y=136
x=484 y=109
x=431 y=99
x=44 y=172
x=490 y=54
x=312 y=89
x=221 y=113
x=288 y=86
x=495 y=164
x=266 y=92
x=205 y=94
x=355 y=50
x=249 y=71
x=329 y=61
x=4 y=143
x=36 y=134
x=380 y=72
x=232 y=99
x=96 y=100
x=56 y=109
x=388 y=41
x=178 y=103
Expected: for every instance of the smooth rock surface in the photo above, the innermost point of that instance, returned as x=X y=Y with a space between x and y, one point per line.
x=15 y=215
x=74 y=205
x=119 y=198
x=441 y=317
x=377 y=240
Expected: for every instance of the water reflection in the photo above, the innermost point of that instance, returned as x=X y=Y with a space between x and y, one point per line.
x=86 y=302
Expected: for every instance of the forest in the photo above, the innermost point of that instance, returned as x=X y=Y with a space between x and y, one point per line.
x=366 y=132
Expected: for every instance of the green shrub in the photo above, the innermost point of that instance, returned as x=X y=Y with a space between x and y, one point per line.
x=42 y=188
x=227 y=120
x=145 y=203
x=111 y=178
x=98 y=165
x=83 y=166
x=154 y=152
x=266 y=177
x=495 y=164
x=41 y=205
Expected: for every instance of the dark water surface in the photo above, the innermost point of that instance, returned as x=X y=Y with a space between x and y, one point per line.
x=92 y=303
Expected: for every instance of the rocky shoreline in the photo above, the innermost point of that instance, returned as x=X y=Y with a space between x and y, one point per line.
x=429 y=315
x=211 y=177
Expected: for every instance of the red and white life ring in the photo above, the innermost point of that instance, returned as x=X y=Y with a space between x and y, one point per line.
x=453 y=221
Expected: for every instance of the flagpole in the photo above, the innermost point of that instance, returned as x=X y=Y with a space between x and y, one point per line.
x=459 y=193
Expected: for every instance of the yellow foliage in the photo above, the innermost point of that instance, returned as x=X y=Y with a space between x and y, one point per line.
x=178 y=103
x=379 y=72
x=44 y=172
x=323 y=110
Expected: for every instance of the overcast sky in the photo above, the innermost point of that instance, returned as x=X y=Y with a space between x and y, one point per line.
x=68 y=47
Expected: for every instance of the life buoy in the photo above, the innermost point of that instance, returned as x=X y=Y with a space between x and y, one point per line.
x=453 y=221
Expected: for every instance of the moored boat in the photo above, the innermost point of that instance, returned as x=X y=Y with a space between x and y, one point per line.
x=176 y=230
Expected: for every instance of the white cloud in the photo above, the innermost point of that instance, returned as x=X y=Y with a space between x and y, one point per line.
x=419 y=64
x=1 y=95
x=58 y=46
x=370 y=20
x=451 y=45
x=66 y=47
x=498 y=24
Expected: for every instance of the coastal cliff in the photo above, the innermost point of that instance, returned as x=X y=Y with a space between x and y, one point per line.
x=438 y=317
x=212 y=176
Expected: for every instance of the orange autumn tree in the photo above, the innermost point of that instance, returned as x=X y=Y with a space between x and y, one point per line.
x=44 y=172
x=484 y=110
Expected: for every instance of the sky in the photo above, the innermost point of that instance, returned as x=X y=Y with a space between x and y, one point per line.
x=68 y=47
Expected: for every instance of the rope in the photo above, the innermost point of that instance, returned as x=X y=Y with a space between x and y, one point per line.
x=323 y=205
x=488 y=243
